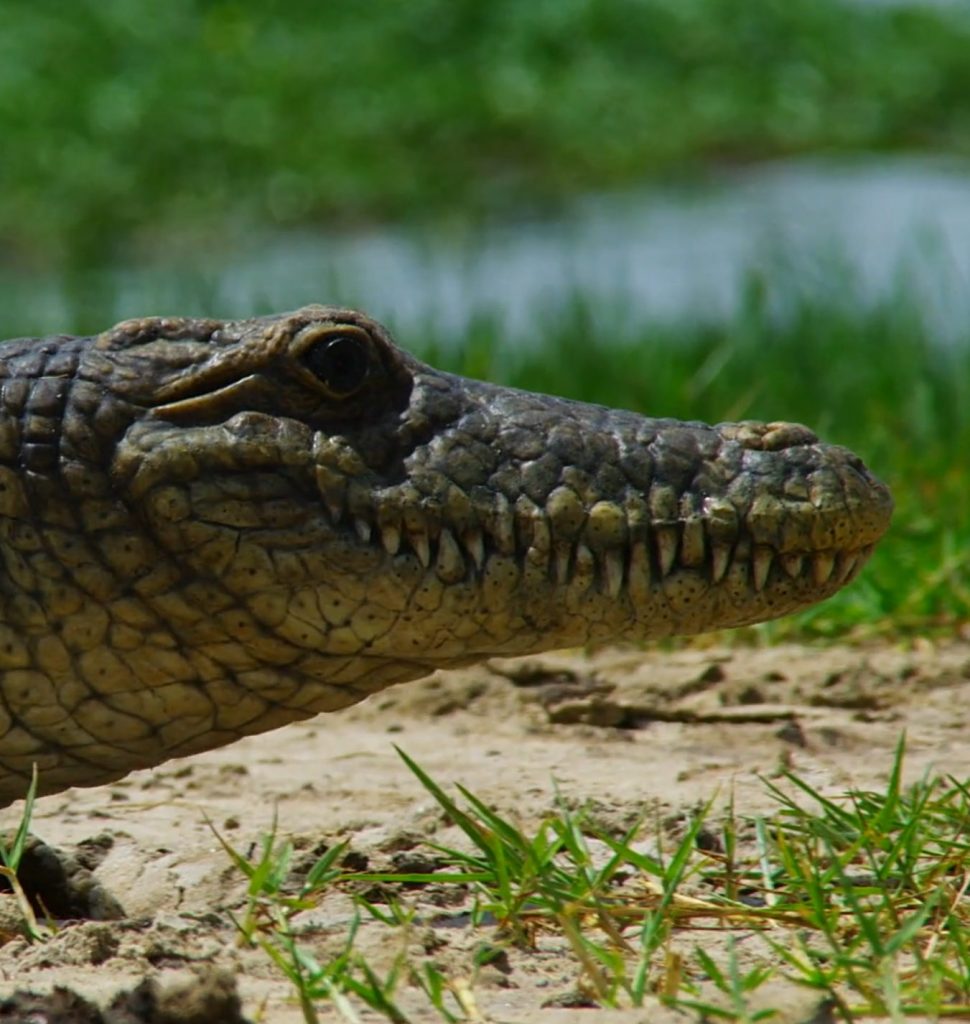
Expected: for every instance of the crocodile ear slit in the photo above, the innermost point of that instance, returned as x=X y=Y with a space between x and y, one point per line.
x=249 y=392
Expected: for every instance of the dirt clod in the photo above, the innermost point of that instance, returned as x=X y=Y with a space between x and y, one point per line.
x=58 y=884
x=210 y=998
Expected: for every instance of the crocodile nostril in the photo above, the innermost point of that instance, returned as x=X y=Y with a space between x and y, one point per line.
x=768 y=437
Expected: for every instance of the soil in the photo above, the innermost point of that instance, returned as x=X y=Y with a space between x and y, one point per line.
x=620 y=731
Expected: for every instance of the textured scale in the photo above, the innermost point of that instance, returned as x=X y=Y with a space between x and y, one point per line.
x=200 y=538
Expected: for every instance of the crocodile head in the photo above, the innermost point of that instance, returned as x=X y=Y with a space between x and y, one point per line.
x=358 y=504
x=210 y=529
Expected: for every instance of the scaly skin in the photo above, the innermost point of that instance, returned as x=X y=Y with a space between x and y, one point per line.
x=211 y=529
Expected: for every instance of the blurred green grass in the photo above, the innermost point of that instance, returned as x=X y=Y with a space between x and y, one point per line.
x=197 y=118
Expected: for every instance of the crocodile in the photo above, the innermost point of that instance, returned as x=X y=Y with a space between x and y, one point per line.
x=209 y=529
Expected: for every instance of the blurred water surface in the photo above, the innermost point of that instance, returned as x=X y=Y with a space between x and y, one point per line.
x=863 y=230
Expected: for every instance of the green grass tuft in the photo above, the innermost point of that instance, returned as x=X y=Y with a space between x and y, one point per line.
x=860 y=897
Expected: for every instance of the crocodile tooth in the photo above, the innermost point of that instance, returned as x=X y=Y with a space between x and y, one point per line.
x=666 y=548
x=333 y=488
x=584 y=566
x=720 y=561
x=760 y=565
x=503 y=526
x=822 y=565
x=792 y=564
x=536 y=561
x=363 y=530
x=541 y=537
x=613 y=572
x=475 y=546
x=639 y=579
x=450 y=565
x=845 y=563
x=692 y=541
x=561 y=561
x=422 y=547
x=391 y=539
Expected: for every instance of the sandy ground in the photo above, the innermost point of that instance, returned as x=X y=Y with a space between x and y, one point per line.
x=619 y=731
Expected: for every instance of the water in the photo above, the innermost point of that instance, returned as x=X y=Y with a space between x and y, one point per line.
x=868 y=229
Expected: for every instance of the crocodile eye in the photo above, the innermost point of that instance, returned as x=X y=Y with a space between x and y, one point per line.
x=339 y=361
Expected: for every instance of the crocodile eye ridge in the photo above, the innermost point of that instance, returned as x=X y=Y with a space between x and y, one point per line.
x=340 y=361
